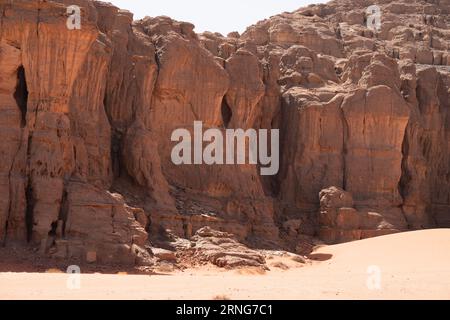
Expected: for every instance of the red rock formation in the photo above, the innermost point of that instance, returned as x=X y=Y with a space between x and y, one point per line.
x=86 y=118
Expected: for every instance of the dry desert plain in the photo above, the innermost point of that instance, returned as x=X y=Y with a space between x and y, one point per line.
x=412 y=265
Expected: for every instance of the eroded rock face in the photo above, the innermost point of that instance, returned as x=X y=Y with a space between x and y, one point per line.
x=86 y=118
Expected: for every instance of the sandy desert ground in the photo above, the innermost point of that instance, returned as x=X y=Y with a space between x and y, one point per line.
x=413 y=265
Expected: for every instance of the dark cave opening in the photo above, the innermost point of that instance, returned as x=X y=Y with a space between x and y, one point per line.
x=21 y=94
x=226 y=113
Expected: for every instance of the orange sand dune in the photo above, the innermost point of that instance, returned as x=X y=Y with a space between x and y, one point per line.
x=413 y=265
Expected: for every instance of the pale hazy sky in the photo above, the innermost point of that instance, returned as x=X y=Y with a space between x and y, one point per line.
x=212 y=15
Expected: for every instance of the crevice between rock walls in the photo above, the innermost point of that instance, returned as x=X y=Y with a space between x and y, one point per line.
x=405 y=178
x=20 y=96
x=226 y=112
x=345 y=135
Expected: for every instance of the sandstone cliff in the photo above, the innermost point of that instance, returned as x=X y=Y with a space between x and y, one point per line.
x=86 y=117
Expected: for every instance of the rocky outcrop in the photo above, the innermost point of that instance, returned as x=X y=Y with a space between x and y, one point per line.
x=340 y=222
x=220 y=249
x=86 y=118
